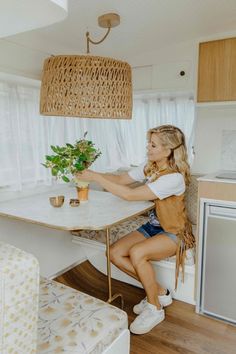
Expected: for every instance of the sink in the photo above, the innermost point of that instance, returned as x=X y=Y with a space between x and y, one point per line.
x=227 y=175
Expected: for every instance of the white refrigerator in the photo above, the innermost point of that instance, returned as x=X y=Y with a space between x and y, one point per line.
x=216 y=290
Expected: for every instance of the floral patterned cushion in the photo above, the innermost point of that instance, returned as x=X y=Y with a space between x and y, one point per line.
x=73 y=322
x=19 y=287
x=116 y=232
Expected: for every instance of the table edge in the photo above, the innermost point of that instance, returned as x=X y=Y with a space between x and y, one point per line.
x=75 y=228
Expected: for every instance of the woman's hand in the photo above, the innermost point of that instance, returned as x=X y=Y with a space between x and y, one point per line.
x=87 y=175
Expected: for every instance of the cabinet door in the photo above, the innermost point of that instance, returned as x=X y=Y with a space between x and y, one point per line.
x=217 y=71
x=218 y=288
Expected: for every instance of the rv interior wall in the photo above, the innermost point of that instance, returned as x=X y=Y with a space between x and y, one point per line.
x=211 y=124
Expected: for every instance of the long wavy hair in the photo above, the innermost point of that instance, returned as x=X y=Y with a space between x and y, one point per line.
x=172 y=138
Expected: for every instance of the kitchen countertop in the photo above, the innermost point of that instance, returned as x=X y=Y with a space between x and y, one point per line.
x=211 y=177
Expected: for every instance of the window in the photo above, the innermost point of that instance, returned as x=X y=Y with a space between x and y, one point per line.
x=26 y=136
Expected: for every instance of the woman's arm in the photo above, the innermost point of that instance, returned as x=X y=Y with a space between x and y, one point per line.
x=123 y=179
x=124 y=192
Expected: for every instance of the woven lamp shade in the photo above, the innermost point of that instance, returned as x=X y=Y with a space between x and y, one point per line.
x=87 y=87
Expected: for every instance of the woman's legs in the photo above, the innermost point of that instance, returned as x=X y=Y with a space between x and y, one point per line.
x=120 y=255
x=119 y=252
x=133 y=254
x=152 y=249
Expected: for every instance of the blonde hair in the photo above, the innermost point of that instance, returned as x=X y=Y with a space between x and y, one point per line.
x=171 y=138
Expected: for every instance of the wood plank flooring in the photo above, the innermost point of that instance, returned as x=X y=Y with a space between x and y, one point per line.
x=182 y=332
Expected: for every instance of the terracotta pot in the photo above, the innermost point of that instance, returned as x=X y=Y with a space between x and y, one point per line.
x=82 y=193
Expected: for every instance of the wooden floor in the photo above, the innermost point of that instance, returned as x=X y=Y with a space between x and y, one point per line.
x=182 y=332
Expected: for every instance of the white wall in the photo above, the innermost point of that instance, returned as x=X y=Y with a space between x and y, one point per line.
x=159 y=70
x=211 y=121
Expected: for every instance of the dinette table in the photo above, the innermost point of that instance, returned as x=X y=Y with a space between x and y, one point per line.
x=102 y=211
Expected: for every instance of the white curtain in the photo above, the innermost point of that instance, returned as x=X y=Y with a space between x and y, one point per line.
x=26 y=136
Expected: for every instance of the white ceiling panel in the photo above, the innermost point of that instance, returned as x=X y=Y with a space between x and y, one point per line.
x=146 y=25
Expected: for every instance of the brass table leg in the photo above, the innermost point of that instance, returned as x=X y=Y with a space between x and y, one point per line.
x=110 y=296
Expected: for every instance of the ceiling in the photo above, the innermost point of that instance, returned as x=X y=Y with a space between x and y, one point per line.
x=43 y=13
x=146 y=25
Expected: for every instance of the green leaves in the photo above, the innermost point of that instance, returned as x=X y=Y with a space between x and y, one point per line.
x=70 y=146
x=69 y=159
x=79 y=167
x=54 y=149
x=54 y=171
x=65 y=179
x=48 y=158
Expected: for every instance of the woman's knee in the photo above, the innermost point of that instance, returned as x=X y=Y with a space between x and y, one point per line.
x=120 y=248
x=114 y=254
x=137 y=255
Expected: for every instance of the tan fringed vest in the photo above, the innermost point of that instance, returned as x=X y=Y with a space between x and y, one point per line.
x=172 y=215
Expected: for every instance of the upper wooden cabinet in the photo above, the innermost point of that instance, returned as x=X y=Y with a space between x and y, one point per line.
x=217 y=71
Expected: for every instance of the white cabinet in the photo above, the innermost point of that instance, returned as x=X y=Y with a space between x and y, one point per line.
x=217 y=260
x=169 y=76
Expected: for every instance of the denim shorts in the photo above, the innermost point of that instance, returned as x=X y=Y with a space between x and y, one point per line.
x=148 y=230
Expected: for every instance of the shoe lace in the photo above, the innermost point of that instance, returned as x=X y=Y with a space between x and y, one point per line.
x=145 y=315
x=143 y=302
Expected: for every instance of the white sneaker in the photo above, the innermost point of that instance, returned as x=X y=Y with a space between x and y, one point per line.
x=149 y=318
x=165 y=300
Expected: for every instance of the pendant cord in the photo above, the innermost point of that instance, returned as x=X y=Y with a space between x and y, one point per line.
x=96 y=42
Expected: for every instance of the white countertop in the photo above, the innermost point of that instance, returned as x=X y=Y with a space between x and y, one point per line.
x=211 y=177
x=102 y=210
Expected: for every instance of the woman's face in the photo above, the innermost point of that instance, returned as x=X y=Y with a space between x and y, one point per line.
x=156 y=152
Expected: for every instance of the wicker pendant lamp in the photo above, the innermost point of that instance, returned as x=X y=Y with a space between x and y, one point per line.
x=87 y=86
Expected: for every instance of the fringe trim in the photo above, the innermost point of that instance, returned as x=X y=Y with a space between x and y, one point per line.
x=186 y=241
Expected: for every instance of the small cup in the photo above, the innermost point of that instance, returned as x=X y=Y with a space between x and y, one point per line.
x=74 y=202
x=82 y=193
x=57 y=201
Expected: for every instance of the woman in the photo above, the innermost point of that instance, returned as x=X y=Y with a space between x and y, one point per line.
x=168 y=231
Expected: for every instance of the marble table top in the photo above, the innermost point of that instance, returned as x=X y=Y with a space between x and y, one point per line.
x=101 y=211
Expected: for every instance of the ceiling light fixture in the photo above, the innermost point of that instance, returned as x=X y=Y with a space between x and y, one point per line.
x=87 y=86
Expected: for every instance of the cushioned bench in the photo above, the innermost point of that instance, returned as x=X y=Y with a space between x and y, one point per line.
x=53 y=317
x=73 y=322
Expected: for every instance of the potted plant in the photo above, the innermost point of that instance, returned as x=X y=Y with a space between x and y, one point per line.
x=69 y=159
